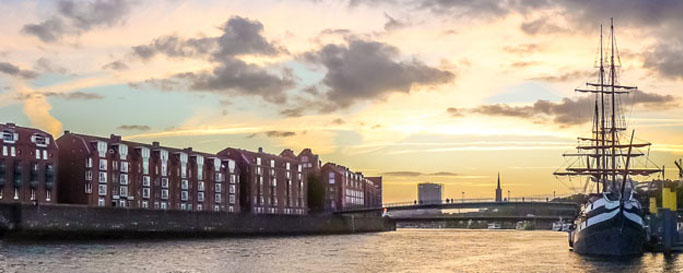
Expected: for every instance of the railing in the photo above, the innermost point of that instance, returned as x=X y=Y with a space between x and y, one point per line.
x=469 y=200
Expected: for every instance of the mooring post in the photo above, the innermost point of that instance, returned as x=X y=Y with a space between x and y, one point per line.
x=668 y=229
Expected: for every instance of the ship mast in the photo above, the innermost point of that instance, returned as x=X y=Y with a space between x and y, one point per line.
x=614 y=123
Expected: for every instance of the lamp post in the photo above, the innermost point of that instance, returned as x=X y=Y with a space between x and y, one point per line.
x=463 y=197
x=553 y=194
x=508 y=195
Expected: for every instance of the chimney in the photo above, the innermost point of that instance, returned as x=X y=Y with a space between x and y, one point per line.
x=260 y=150
x=115 y=138
x=189 y=149
x=66 y=132
x=155 y=144
x=11 y=124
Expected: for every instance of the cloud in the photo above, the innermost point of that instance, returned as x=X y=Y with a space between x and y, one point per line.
x=568 y=76
x=37 y=109
x=116 y=65
x=454 y=112
x=14 y=70
x=75 y=17
x=134 y=127
x=78 y=95
x=392 y=24
x=572 y=111
x=45 y=65
x=279 y=133
x=174 y=46
x=416 y=174
x=523 y=49
x=362 y=70
x=666 y=59
x=542 y=25
x=243 y=36
x=338 y=121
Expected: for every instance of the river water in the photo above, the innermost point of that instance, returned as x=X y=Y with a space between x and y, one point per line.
x=405 y=250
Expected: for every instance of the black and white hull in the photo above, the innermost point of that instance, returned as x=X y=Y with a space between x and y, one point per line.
x=607 y=228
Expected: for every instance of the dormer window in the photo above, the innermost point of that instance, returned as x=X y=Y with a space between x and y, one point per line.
x=9 y=136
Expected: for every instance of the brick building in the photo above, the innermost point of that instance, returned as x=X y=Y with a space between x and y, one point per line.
x=28 y=165
x=344 y=188
x=311 y=162
x=272 y=184
x=373 y=192
x=110 y=172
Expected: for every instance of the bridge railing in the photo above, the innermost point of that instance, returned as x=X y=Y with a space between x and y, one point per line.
x=470 y=200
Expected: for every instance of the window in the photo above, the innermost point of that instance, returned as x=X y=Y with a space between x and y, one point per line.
x=145 y=181
x=156 y=205
x=218 y=187
x=33 y=194
x=114 y=165
x=145 y=204
x=184 y=195
x=216 y=208
x=185 y=185
x=164 y=194
x=272 y=163
x=304 y=159
x=232 y=188
x=88 y=175
x=124 y=167
x=37 y=154
x=103 y=164
x=16 y=193
x=219 y=177
x=164 y=182
x=200 y=207
x=4 y=150
x=218 y=198
x=145 y=193
x=163 y=205
x=124 y=179
x=232 y=199
x=200 y=196
x=258 y=161
x=100 y=201
x=88 y=187
x=287 y=166
x=232 y=179
x=123 y=191
x=200 y=187
x=13 y=151
x=8 y=136
x=331 y=178
x=45 y=154
x=102 y=190
x=103 y=177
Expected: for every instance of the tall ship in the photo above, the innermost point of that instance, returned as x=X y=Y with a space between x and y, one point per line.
x=611 y=221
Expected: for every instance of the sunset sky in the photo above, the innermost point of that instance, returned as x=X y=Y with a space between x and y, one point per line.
x=429 y=90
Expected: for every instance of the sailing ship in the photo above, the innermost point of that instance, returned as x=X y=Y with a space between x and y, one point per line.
x=611 y=222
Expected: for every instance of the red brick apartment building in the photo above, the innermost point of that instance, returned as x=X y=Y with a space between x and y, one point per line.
x=344 y=188
x=272 y=184
x=373 y=191
x=28 y=165
x=110 y=172
x=310 y=161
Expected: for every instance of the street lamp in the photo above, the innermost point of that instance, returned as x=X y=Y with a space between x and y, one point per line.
x=463 y=197
x=508 y=195
x=553 y=194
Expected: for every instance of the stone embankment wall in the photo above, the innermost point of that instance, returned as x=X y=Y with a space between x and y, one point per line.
x=64 y=221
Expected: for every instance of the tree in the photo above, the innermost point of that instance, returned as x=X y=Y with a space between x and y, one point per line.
x=316 y=194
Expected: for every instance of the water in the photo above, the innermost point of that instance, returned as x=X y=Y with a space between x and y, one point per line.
x=406 y=250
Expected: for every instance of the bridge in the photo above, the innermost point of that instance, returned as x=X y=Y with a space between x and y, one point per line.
x=531 y=203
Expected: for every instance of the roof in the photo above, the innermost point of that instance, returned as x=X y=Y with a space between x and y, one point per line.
x=26 y=131
x=114 y=139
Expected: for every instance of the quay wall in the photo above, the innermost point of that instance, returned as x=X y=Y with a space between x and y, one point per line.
x=65 y=221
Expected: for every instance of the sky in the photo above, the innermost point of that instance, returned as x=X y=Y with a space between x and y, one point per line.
x=444 y=91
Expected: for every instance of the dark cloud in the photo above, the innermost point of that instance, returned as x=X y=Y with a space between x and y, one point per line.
x=572 y=111
x=134 y=127
x=75 y=17
x=666 y=59
x=367 y=70
x=243 y=36
x=292 y=112
x=45 y=65
x=116 y=65
x=523 y=64
x=279 y=133
x=14 y=70
x=523 y=49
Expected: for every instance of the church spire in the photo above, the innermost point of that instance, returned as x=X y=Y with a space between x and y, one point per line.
x=498 y=180
x=499 y=191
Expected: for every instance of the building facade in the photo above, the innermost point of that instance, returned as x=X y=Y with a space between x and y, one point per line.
x=28 y=165
x=373 y=192
x=311 y=162
x=271 y=184
x=343 y=187
x=429 y=193
x=110 y=172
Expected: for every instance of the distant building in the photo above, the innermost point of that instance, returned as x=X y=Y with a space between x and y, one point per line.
x=344 y=188
x=311 y=162
x=429 y=193
x=499 y=191
x=111 y=172
x=272 y=184
x=28 y=165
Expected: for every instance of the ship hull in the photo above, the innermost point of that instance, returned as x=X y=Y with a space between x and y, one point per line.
x=617 y=236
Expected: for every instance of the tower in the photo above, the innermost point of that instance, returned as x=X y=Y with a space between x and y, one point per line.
x=499 y=191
